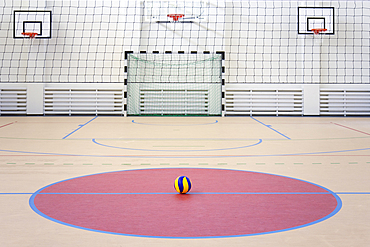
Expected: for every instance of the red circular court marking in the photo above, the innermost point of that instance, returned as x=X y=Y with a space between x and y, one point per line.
x=212 y=208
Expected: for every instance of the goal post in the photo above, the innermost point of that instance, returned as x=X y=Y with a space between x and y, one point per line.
x=174 y=84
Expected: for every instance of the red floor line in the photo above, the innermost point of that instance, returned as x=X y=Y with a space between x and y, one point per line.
x=7 y=124
x=351 y=129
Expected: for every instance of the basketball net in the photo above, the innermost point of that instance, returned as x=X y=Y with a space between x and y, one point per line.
x=316 y=35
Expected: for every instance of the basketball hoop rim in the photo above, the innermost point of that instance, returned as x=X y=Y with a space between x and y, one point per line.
x=319 y=30
x=175 y=17
x=30 y=35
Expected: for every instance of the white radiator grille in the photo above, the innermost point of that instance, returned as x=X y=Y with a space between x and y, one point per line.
x=345 y=102
x=174 y=101
x=244 y=101
x=66 y=101
x=13 y=101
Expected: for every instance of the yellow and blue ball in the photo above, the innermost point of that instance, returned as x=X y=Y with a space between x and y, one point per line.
x=182 y=184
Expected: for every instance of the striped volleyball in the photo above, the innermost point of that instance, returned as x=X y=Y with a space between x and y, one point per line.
x=182 y=184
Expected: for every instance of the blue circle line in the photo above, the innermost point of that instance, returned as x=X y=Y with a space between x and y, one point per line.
x=160 y=150
x=335 y=211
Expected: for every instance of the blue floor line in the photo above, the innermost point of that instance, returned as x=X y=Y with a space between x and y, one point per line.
x=269 y=126
x=183 y=156
x=80 y=126
x=192 y=193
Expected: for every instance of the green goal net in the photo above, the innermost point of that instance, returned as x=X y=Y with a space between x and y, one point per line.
x=174 y=84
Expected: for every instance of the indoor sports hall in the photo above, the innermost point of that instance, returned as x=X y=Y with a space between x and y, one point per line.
x=263 y=105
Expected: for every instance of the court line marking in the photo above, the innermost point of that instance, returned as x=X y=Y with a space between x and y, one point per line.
x=80 y=126
x=178 y=146
x=8 y=124
x=183 y=139
x=324 y=153
x=163 y=150
x=190 y=193
x=133 y=121
x=351 y=128
x=334 y=212
x=206 y=193
x=15 y=193
x=269 y=126
x=353 y=193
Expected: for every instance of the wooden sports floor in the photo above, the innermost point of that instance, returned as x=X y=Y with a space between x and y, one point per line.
x=330 y=152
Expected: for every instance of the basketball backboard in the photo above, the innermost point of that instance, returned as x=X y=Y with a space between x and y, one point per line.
x=32 y=21
x=310 y=18
x=161 y=11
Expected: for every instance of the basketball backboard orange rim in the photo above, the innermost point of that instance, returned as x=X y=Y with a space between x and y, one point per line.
x=175 y=17
x=318 y=30
x=30 y=35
